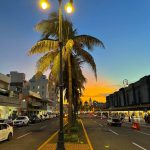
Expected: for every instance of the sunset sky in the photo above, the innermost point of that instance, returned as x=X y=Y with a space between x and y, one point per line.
x=122 y=25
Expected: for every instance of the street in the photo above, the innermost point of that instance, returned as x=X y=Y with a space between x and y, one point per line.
x=32 y=136
x=104 y=137
x=101 y=135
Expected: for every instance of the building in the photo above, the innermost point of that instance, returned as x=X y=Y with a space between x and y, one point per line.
x=9 y=106
x=39 y=86
x=32 y=103
x=4 y=84
x=17 y=81
x=134 y=97
x=53 y=96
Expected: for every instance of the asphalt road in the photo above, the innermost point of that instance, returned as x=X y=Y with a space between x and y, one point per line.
x=32 y=136
x=105 y=137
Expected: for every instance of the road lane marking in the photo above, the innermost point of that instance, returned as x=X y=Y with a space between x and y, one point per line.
x=43 y=127
x=113 y=132
x=23 y=135
x=86 y=135
x=139 y=146
x=143 y=133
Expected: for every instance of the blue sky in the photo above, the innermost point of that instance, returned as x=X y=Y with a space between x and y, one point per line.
x=123 y=26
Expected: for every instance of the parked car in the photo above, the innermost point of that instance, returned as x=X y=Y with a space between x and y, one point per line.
x=114 y=121
x=46 y=117
x=8 y=121
x=6 y=132
x=34 y=119
x=21 y=121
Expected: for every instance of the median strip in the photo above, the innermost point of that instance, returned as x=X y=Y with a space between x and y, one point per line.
x=23 y=135
x=139 y=146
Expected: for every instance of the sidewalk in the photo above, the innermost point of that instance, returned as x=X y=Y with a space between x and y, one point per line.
x=68 y=146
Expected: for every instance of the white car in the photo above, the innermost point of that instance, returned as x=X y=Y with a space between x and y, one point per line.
x=6 y=132
x=21 y=121
x=114 y=121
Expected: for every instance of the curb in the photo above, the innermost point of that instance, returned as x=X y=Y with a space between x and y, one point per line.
x=86 y=135
x=50 y=138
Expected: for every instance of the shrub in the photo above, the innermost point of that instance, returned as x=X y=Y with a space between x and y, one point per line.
x=74 y=129
x=74 y=138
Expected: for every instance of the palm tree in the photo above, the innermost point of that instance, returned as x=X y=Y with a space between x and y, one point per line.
x=74 y=45
x=78 y=81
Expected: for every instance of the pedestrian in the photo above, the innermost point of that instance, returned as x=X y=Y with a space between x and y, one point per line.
x=146 y=118
x=129 y=119
x=132 y=117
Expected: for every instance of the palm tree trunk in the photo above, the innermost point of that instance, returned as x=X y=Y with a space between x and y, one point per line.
x=70 y=91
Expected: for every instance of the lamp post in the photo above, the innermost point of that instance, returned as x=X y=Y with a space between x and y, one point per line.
x=69 y=8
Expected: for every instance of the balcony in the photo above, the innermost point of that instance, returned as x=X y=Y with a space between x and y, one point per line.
x=9 y=101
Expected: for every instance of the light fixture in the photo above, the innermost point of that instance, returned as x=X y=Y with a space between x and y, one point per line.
x=69 y=8
x=44 y=4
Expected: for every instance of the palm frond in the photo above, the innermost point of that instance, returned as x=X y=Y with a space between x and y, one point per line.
x=44 y=46
x=88 y=59
x=88 y=41
x=45 y=61
x=55 y=69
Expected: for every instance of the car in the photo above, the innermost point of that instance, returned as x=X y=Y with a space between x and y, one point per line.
x=6 y=132
x=34 y=119
x=8 y=121
x=21 y=121
x=114 y=121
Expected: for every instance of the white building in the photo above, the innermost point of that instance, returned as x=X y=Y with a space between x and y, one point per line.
x=39 y=86
x=8 y=106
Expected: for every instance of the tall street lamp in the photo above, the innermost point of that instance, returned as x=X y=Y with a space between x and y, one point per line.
x=69 y=8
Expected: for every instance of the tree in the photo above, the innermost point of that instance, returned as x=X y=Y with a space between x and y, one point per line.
x=74 y=45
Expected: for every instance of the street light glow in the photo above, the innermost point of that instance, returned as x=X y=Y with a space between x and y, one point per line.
x=44 y=4
x=69 y=8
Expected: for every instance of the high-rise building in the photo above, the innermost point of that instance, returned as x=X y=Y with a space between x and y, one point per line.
x=17 y=81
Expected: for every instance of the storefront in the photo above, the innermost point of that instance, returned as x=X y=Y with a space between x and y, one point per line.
x=6 y=111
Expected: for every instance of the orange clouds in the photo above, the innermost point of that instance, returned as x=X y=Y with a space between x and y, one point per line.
x=97 y=90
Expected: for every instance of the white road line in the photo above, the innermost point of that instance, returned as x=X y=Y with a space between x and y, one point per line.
x=139 y=146
x=113 y=132
x=43 y=127
x=23 y=135
x=143 y=133
x=98 y=123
